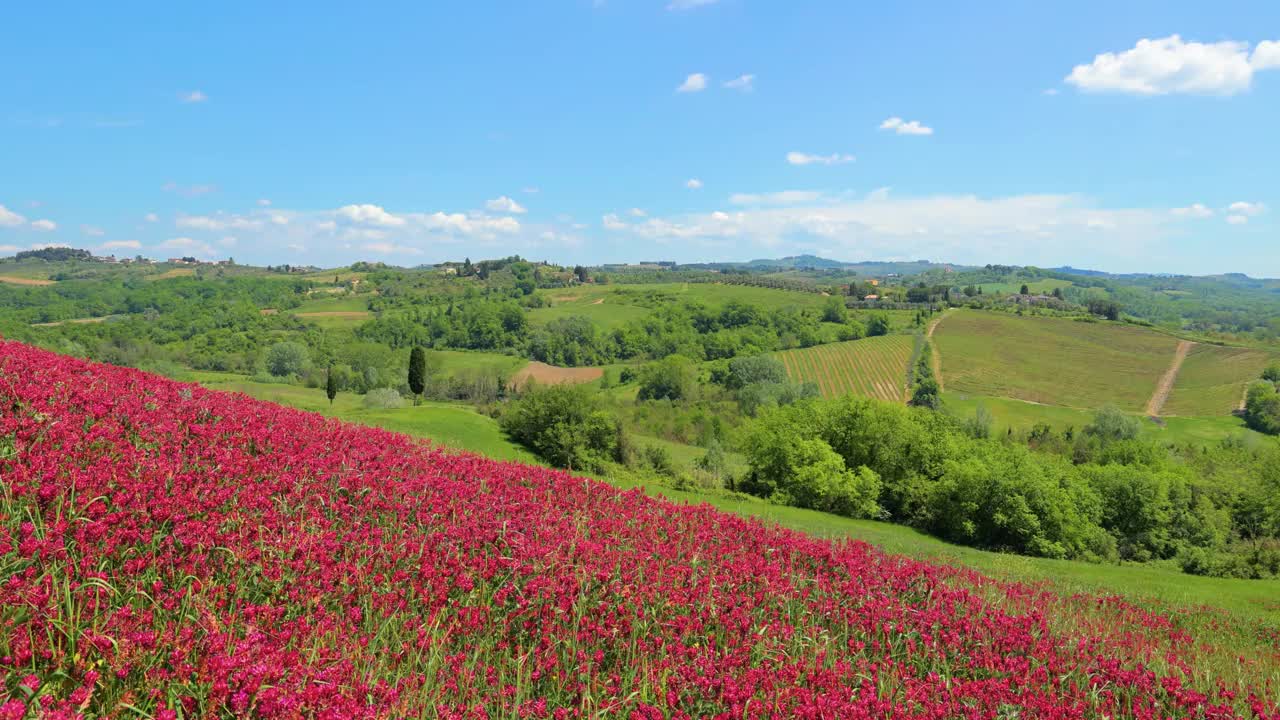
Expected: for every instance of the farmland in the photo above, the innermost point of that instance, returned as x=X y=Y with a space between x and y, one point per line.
x=545 y=374
x=873 y=367
x=1049 y=360
x=1213 y=379
x=303 y=565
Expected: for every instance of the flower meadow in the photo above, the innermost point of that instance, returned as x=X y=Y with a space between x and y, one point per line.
x=170 y=552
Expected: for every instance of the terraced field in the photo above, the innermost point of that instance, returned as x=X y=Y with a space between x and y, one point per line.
x=1213 y=379
x=1055 y=361
x=872 y=367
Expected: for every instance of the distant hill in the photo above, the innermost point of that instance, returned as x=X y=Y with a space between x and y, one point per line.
x=814 y=262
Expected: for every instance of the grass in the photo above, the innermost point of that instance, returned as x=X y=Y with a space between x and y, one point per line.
x=333 y=304
x=872 y=367
x=1037 y=287
x=454 y=362
x=1021 y=416
x=1213 y=379
x=1055 y=361
x=604 y=315
x=170 y=274
x=1253 y=599
x=714 y=295
x=459 y=427
x=684 y=456
x=449 y=425
x=337 y=313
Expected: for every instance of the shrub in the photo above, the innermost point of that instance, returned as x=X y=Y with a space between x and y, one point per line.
x=383 y=399
x=287 y=358
x=672 y=378
x=1111 y=424
x=563 y=425
x=1262 y=408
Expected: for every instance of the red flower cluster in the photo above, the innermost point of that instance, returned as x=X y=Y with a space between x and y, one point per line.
x=167 y=551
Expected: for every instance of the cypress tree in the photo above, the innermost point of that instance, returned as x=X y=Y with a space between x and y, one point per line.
x=417 y=372
x=331 y=386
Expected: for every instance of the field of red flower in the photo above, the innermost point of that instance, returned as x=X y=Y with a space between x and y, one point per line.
x=167 y=552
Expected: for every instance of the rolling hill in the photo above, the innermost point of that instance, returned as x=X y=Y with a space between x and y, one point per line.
x=1050 y=360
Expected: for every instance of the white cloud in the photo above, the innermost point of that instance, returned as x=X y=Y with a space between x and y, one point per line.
x=612 y=222
x=693 y=184
x=228 y=241
x=1196 y=210
x=469 y=225
x=92 y=231
x=799 y=158
x=1266 y=56
x=217 y=223
x=1050 y=91
x=1172 y=65
x=1246 y=208
x=189 y=190
x=121 y=244
x=531 y=190
x=1237 y=219
x=9 y=218
x=10 y=248
x=637 y=212
x=1034 y=229
x=744 y=83
x=263 y=202
x=189 y=245
x=193 y=96
x=902 y=127
x=391 y=249
x=689 y=4
x=44 y=225
x=505 y=204
x=369 y=215
x=151 y=217
x=697 y=82
x=785 y=197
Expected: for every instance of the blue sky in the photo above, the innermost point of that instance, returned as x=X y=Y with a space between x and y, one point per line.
x=1137 y=136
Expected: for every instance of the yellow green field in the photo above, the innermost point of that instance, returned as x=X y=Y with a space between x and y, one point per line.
x=1055 y=361
x=872 y=367
x=1213 y=379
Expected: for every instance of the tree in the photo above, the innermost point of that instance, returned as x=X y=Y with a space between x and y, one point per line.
x=713 y=462
x=673 y=377
x=563 y=425
x=878 y=325
x=926 y=395
x=1025 y=290
x=833 y=310
x=417 y=373
x=1262 y=408
x=1110 y=424
x=581 y=273
x=1272 y=373
x=330 y=385
x=286 y=358
x=744 y=371
x=1109 y=309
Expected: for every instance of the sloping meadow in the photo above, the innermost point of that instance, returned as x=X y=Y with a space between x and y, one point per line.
x=167 y=551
